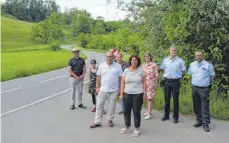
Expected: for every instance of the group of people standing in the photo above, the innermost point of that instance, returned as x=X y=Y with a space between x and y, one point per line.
x=133 y=82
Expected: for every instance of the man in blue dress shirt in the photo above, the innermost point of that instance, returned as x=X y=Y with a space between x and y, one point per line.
x=202 y=73
x=174 y=70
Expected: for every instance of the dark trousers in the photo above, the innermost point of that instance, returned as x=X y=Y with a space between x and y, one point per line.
x=93 y=98
x=172 y=87
x=200 y=97
x=132 y=101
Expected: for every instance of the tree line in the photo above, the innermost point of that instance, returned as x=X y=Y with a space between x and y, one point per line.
x=93 y=33
x=30 y=10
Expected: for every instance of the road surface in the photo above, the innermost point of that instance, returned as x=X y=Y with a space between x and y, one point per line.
x=35 y=109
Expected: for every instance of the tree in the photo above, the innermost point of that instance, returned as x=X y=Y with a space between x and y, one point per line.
x=84 y=39
x=48 y=30
x=30 y=10
x=99 y=27
x=81 y=24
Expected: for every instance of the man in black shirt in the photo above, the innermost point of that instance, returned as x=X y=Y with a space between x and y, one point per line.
x=77 y=70
x=124 y=65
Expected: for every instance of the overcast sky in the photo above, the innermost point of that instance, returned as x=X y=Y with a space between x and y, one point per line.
x=95 y=7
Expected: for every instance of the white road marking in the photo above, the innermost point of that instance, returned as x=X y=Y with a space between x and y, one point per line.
x=10 y=90
x=36 y=102
x=53 y=78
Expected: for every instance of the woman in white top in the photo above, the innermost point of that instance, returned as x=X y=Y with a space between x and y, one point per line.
x=132 y=90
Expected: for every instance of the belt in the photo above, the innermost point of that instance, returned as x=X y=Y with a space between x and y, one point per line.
x=75 y=74
x=201 y=86
x=171 y=80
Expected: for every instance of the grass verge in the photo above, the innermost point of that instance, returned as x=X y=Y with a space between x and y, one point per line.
x=219 y=108
x=22 y=64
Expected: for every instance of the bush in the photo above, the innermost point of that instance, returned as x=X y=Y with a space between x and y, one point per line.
x=55 y=46
x=84 y=39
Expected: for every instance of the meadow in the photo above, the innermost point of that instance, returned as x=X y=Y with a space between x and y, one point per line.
x=22 y=57
x=21 y=64
x=16 y=35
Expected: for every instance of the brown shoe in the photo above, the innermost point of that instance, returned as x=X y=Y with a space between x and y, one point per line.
x=94 y=125
x=93 y=109
x=110 y=124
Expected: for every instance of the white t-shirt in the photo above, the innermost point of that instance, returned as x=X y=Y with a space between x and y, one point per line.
x=110 y=76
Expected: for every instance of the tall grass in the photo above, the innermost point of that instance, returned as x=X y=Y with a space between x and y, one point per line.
x=21 y=64
x=219 y=108
x=15 y=33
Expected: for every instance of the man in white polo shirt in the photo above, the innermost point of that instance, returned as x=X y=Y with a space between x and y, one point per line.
x=107 y=86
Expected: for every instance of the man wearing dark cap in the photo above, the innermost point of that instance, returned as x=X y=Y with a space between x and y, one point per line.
x=77 y=70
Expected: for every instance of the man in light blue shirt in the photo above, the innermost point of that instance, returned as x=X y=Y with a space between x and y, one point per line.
x=202 y=73
x=174 y=69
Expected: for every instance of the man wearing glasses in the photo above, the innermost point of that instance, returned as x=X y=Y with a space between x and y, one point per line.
x=107 y=86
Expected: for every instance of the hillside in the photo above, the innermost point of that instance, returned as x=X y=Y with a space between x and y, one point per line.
x=16 y=35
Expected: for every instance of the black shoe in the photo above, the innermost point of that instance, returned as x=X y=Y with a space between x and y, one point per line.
x=121 y=112
x=197 y=125
x=164 y=118
x=81 y=106
x=72 y=107
x=206 y=128
x=175 y=121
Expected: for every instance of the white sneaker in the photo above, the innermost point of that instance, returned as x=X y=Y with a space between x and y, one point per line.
x=146 y=113
x=148 y=117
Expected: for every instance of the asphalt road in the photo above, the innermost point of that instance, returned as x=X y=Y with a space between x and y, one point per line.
x=35 y=109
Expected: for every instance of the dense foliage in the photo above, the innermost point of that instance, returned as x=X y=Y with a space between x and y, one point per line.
x=30 y=10
x=190 y=26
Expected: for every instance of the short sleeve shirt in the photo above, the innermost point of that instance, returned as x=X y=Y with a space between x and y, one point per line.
x=110 y=76
x=201 y=73
x=77 y=65
x=133 y=81
x=173 y=69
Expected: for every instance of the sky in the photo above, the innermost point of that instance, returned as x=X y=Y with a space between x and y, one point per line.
x=94 y=7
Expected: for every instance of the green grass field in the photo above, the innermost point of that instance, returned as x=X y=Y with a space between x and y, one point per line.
x=21 y=57
x=16 y=35
x=21 y=64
